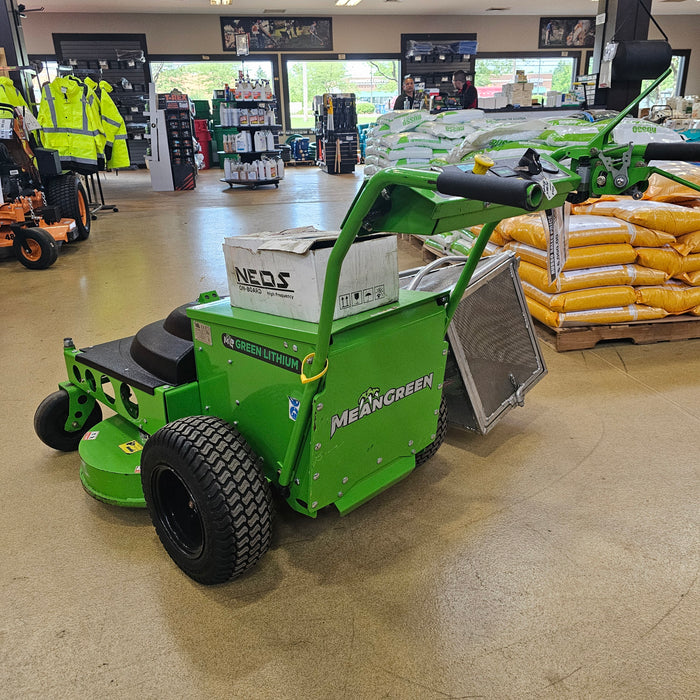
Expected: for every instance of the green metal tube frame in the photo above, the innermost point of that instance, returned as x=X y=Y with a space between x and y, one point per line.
x=350 y=228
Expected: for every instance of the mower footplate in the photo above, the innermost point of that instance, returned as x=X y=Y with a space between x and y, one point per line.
x=110 y=463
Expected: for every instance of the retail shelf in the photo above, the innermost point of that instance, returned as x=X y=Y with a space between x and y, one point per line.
x=249 y=126
x=249 y=153
x=252 y=184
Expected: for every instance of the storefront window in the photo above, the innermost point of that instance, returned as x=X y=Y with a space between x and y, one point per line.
x=671 y=87
x=545 y=73
x=199 y=79
x=375 y=84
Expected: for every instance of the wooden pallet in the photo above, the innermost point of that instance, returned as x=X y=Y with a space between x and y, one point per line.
x=639 y=333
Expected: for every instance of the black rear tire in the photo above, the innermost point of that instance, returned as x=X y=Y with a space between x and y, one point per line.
x=208 y=498
x=35 y=248
x=68 y=194
x=426 y=453
x=50 y=421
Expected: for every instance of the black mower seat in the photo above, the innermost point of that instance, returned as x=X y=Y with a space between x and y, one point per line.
x=177 y=322
x=163 y=354
x=157 y=355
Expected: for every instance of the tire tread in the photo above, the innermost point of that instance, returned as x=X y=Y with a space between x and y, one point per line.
x=235 y=490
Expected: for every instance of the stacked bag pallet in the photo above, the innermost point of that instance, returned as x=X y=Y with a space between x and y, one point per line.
x=416 y=137
x=628 y=260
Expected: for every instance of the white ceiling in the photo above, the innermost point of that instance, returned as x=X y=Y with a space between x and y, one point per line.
x=323 y=8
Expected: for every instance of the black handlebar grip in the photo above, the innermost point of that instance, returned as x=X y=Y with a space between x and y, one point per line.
x=682 y=150
x=510 y=191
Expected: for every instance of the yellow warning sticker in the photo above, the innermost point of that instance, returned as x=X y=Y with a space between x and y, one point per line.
x=131 y=447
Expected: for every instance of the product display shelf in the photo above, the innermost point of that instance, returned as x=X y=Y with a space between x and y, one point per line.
x=251 y=184
x=250 y=156
x=122 y=61
x=336 y=132
x=247 y=104
x=431 y=59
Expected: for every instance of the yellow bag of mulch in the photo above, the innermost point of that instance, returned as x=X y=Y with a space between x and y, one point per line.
x=590 y=277
x=584 y=230
x=623 y=314
x=661 y=189
x=692 y=278
x=497 y=236
x=583 y=299
x=661 y=216
x=586 y=256
x=687 y=244
x=674 y=297
x=668 y=260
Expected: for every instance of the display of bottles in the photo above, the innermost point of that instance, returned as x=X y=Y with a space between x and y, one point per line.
x=261 y=170
x=238 y=116
x=244 y=88
x=245 y=142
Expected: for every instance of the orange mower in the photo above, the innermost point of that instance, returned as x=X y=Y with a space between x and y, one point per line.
x=41 y=207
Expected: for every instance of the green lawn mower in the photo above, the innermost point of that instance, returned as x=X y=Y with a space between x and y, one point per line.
x=219 y=405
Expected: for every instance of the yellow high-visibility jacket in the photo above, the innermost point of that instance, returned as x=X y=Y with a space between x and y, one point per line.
x=71 y=123
x=10 y=95
x=113 y=125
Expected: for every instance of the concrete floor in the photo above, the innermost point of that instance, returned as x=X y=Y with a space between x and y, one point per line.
x=555 y=557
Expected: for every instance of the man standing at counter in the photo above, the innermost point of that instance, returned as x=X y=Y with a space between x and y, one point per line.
x=406 y=98
x=466 y=95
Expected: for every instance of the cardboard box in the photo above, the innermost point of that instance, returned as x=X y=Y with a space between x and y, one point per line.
x=283 y=273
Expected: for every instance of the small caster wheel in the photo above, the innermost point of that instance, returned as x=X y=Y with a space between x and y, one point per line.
x=115 y=209
x=93 y=217
x=276 y=185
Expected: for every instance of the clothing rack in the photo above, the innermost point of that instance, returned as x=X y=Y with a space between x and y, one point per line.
x=96 y=205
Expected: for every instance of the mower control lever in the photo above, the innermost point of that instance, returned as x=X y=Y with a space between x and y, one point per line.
x=511 y=191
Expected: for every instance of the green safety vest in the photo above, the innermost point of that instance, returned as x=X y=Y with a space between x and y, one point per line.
x=9 y=94
x=71 y=123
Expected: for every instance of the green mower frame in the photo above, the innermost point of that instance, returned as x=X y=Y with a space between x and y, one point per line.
x=236 y=403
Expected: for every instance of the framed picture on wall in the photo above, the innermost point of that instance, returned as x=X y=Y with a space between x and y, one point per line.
x=279 y=33
x=567 y=32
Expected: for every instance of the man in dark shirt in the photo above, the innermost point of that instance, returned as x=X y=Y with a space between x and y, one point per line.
x=466 y=92
x=405 y=99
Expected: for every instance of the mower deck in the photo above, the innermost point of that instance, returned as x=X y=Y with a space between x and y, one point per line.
x=112 y=475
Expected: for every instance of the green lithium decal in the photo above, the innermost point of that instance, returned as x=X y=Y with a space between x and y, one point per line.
x=262 y=352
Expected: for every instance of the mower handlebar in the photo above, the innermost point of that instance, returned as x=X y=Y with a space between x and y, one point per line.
x=511 y=191
x=685 y=150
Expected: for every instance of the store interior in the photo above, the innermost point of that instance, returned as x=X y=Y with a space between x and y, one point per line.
x=554 y=556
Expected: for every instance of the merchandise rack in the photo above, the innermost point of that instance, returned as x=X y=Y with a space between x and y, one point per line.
x=434 y=68
x=100 y=54
x=336 y=132
x=249 y=156
x=180 y=130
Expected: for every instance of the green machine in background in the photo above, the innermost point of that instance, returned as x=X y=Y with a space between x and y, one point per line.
x=217 y=405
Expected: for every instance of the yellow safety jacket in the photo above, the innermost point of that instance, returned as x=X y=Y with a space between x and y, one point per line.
x=10 y=95
x=71 y=123
x=113 y=125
